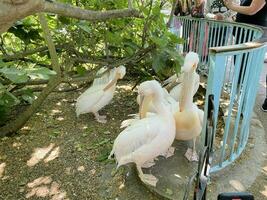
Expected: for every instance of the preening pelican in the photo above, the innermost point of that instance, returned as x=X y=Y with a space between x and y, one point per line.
x=99 y=94
x=172 y=105
x=168 y=100
x=189 y=118
x=147 y=138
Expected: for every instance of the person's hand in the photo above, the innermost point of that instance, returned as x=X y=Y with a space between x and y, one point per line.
x=228 y=3
x=219 y=16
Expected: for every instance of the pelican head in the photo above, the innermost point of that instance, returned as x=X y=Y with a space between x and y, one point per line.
x=121 y=71
x=147 y=91
x=190 y=62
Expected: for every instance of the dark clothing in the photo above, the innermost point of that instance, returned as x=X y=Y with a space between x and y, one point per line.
x=260 y=18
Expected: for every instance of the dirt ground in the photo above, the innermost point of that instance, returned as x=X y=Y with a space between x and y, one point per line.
x=57 y=156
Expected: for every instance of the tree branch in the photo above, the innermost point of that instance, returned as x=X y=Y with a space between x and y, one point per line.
x=50 y=44
x=78 y=13
x=11 y=11
x=21 y=55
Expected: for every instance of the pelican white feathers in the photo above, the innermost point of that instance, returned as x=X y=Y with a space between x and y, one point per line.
x=189 y=118
x=175 y=92
x=100 y=93
x=147 y=138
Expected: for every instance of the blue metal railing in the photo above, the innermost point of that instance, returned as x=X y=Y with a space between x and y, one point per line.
x=201 y=34
x=233 y=63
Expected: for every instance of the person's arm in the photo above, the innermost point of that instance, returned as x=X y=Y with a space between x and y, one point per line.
x=255 y=6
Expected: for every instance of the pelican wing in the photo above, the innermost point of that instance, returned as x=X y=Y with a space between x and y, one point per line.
x=88 y=99
x=140 y=133
x=107 y=76
x=135 y=118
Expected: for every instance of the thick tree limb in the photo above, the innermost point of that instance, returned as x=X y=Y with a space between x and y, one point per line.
x=78 y=13
x=13 y=10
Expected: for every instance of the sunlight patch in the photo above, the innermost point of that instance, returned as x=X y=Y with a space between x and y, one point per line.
x=81 y=168
x=60 y=118
x=53 y=155
x=16 y=144
x=25 y=128
x=40 y=154
x=56 y=111
x=2 y=169
x=237 y=185
x=45 y=187
x=125 y=87
x=264 y=192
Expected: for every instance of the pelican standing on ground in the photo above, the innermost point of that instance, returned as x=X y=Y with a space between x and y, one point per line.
x=189 y=118
x=147 y=138
x=99 y=94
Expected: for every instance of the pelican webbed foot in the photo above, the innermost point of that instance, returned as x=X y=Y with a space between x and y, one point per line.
x=148 y=179
x=191 y=155
x=169 y=152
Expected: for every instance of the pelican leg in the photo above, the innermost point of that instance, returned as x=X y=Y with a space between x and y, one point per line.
x=147 y=178
x=169 y=152
x=100 y=118
x=191 y=154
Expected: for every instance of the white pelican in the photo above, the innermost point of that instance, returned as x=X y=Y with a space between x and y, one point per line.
x=189 y=118
x=175 y=92
x=99 y=94
x=147 y=138
x=168 y=100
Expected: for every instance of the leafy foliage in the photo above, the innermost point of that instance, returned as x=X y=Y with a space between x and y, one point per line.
x=105 y=42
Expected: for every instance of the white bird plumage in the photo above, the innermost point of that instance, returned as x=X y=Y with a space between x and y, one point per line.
x=189 y=119
x=147 y=138
x=175 y=91
x=100 y=93
x=168 y=100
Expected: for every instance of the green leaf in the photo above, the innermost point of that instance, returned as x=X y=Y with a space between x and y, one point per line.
x=175 y=39
x=161 y=42
x=14 y=74
x=158 y=62
x=113 y=38
x=82 y=25
x=8 y=99
x=64 y=20
x=81 y=70
x=40 y=73
x=28 y=96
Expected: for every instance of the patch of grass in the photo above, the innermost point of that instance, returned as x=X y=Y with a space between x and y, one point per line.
x=54 y=134
x=99 y=144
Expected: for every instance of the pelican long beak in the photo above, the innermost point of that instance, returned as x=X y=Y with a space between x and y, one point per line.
x=112 y=82
x=144 y=105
